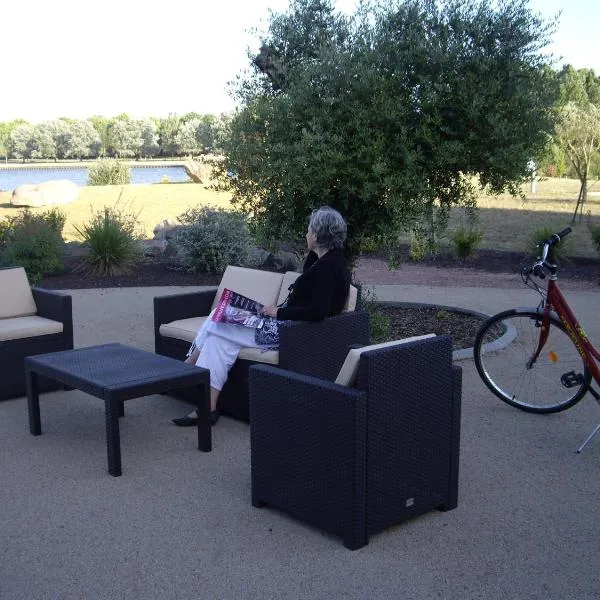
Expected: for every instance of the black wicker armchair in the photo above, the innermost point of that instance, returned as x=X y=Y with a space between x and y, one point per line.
x=318 y=349
x=45 y=325
x=355 y=461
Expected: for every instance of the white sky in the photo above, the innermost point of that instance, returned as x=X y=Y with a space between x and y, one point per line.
x=78 y=58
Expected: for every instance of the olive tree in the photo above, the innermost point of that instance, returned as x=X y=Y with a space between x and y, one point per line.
x=385 y=115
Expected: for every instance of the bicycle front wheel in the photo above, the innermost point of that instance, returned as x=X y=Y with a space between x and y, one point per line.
x=503 y=352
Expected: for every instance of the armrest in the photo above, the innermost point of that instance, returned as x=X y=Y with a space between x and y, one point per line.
x=182 y=306
x=58 y=307
x=320 y=348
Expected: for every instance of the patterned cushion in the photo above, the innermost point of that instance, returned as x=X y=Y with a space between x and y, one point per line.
x=347 y=373
x=16 y=299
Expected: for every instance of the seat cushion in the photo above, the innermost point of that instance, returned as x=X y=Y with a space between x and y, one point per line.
x=26 y=327
x=186 y=329
x=347 y=374
x=16 y=299
x=262 y=286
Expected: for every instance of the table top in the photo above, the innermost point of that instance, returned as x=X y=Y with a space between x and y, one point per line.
x=112 y=367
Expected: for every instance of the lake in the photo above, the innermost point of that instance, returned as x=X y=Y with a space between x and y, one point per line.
x=11 y=178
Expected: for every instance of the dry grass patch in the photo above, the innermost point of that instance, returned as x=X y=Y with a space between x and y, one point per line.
x=507 y=223
x=151 y=202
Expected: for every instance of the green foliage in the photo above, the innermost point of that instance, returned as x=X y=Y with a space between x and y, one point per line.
x=561 y=250
x=595 y=235
x=381 y=115
x=465 y=241
x=106 y=171
x=34 y=242
x=380 y=325
x=112 y=241
x=211 y=239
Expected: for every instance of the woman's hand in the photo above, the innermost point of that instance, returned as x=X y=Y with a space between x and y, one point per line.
x=270 y=311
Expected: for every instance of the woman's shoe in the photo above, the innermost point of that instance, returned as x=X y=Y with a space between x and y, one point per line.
x=192 y=421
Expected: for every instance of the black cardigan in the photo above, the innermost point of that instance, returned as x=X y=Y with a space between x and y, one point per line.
x=322 y=289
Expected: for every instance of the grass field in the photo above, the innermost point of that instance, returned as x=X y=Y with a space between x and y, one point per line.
x=507 y=223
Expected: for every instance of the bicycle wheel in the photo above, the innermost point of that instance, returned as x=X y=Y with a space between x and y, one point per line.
x=503 y=347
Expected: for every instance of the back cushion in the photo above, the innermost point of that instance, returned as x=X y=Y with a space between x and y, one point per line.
x=288 y=278
x=16 y=299
x=347 y=373
x=262 y=286
x=351 y=300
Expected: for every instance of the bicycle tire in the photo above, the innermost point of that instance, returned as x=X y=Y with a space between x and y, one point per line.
x=503 y=346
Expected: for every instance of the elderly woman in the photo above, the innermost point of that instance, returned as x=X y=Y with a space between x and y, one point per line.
x=319 y=292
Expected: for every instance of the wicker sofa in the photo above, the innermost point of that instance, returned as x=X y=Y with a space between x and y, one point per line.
x=32 y=321
x=318 y=349
x=356 y=456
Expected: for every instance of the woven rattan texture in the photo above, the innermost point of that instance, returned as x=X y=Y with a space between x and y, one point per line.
x=354 y=465
x=410 y=415
x=51 y=305
x=306 y=448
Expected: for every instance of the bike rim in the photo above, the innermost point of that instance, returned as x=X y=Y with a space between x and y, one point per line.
x=504 y=346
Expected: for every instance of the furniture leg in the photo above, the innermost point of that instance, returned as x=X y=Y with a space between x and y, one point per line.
x=113 y=440
x=33 y=402
x=203 y=412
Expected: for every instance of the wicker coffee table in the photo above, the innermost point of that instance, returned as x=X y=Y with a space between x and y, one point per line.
x=115 y=373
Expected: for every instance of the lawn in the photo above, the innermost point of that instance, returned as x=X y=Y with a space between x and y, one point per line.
x=151 y=202
x=507 y=223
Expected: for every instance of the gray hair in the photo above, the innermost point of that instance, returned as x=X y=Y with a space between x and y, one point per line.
x=328 y=226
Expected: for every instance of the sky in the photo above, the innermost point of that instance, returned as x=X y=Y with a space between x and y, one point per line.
x=79 y=58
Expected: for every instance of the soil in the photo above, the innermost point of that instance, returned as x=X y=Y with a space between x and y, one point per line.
x=487 y=269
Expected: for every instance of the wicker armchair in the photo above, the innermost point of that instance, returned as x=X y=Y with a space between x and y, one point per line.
x=32 y=321
x=356 y=460
x=318 y=349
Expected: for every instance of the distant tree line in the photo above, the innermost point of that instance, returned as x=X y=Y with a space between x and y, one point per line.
x=118 y=137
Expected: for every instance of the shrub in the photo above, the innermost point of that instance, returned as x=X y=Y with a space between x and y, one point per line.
x=380 y=325
x=111 y=239
x=34 y=242
x=595 y=234
x=541 y=235
x=465 y=241
x=212 y=238
x=106 y=171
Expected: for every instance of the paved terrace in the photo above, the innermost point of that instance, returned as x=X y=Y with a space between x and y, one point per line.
x=179 y=524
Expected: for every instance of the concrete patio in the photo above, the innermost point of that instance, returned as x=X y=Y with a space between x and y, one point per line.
x=179 y=524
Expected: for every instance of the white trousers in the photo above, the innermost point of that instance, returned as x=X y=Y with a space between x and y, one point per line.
x=219 y=345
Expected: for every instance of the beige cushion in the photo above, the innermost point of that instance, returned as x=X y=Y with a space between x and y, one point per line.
x=186 y=329
x=288 y=278
x=347 y=373
x=262 y=286
x=351 y=300
x=25 y=327
x=257 y=355
x=16 y=299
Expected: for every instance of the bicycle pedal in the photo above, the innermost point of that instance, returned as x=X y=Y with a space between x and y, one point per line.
x=571 y=379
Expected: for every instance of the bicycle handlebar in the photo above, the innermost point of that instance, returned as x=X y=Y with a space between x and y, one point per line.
x=546 y=261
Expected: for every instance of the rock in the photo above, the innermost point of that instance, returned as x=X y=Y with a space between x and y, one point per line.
x=153 y=247
x=259 y=258
x=165 y=229
x=49 y=193
x=286 y=261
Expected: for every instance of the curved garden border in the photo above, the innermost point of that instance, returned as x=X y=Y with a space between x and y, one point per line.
x=462 y=354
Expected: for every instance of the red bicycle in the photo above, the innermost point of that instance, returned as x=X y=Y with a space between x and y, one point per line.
x=539 y=359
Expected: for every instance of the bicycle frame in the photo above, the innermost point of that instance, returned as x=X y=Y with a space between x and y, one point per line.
x=555 y=301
